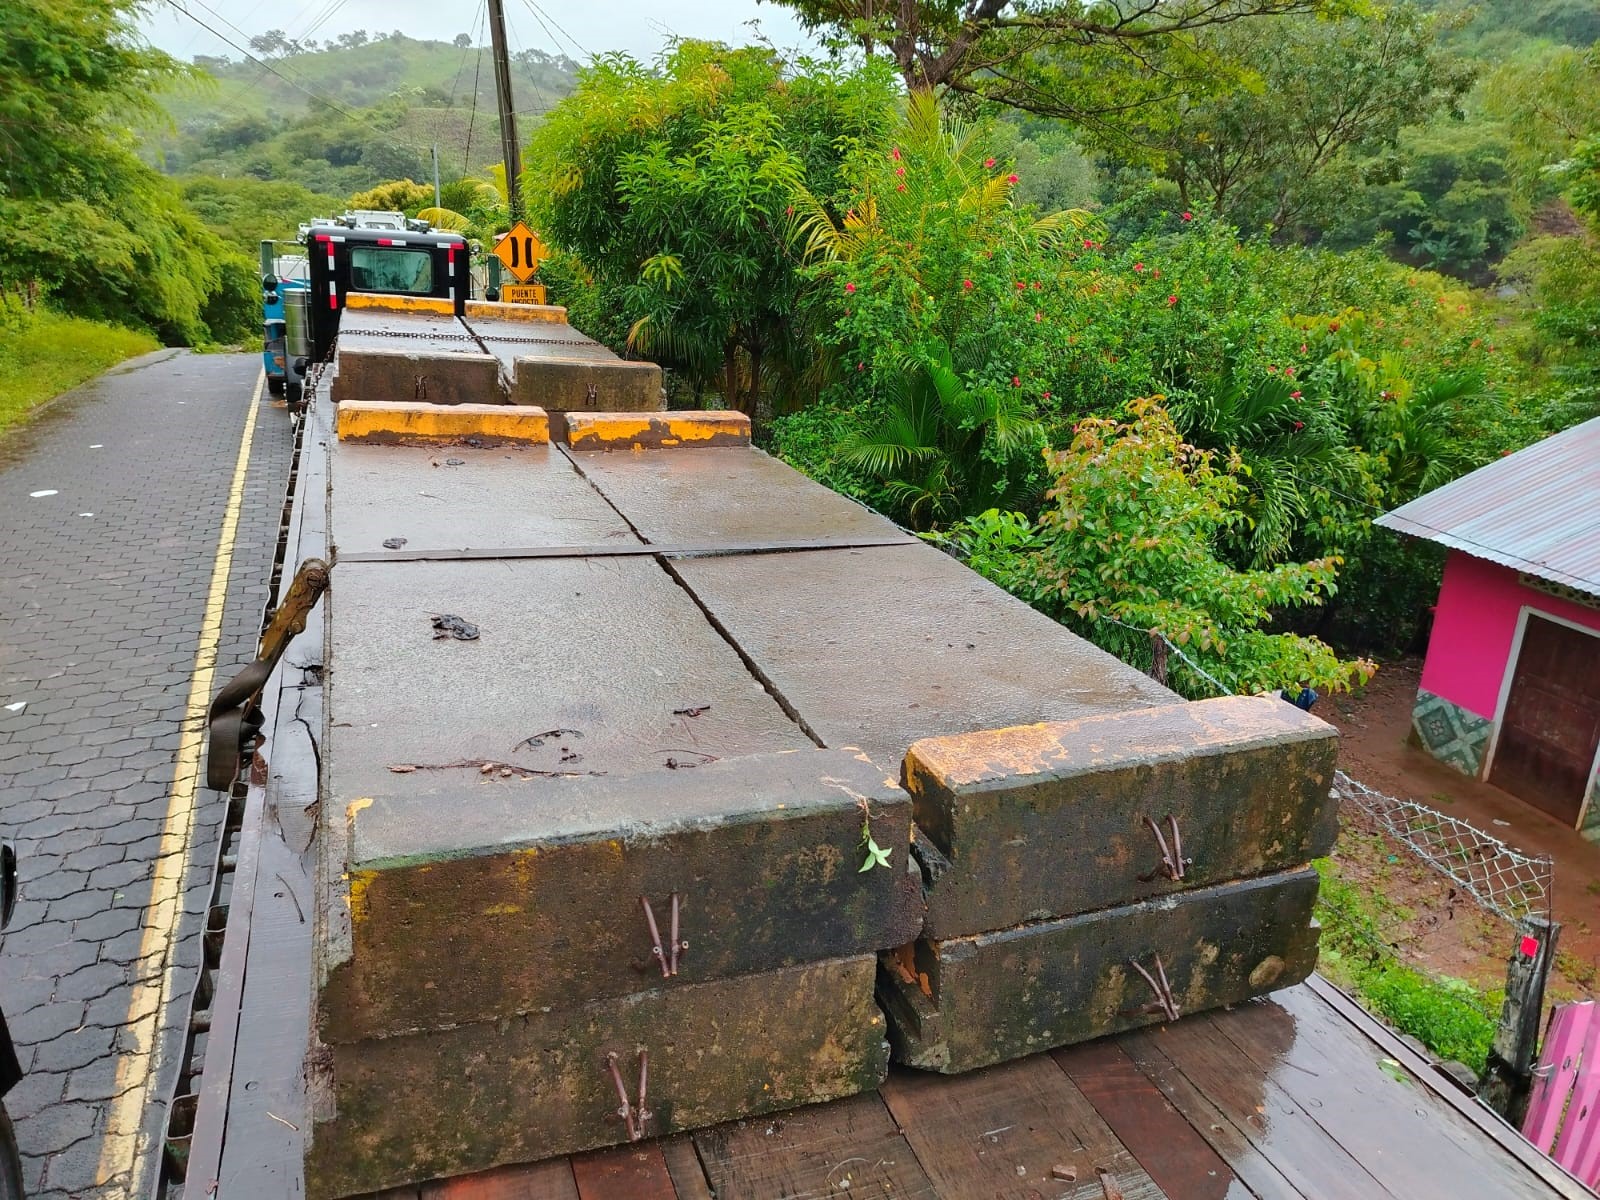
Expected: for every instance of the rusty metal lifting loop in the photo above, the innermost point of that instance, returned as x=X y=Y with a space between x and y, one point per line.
x=1165 y=1003
x=635 y=1116
x=666 y=955
x=1173 y=864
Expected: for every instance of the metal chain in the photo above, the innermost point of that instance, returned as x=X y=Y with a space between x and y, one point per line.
x=467 y=337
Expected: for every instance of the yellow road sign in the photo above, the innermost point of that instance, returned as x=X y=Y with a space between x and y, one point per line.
x=521 y=251
x=523 y=293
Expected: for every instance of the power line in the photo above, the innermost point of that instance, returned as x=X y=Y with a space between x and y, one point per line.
x=294 y=83
x=541 y=16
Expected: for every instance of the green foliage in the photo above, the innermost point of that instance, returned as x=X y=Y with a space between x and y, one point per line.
x=245 y=211
x=341 y=118
x=674 y=187
x=43 y=354
x=1451 y=1017
x=1454 y=207
x=80 y=217
x=1131 y=534
x=942 y=446
x=1293 y=110
x=1061 y=58
x=396 y=195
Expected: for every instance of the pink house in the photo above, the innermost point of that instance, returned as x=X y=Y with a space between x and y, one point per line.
x=1511 y=685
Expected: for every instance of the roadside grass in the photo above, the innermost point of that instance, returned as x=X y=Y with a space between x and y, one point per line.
x=1452 y=1017
x=44 y=354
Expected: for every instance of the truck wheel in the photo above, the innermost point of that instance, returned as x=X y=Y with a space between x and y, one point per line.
x=10 y=1163
x=275 y=384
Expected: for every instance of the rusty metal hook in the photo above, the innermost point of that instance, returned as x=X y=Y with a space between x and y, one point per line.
x=1173 y=863
x=678 y=945
x=659 y=954
x=634 y=1116
x=666 y=956
x=1166 y=1004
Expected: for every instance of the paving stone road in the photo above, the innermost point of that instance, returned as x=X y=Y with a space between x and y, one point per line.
x=103 y=586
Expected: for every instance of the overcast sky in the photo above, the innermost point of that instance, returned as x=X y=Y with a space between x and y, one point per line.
x=637 y=26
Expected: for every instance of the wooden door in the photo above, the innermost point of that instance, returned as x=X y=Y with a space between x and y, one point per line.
x=1551 y=724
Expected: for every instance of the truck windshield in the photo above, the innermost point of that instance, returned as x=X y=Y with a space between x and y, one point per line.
x=386 y=269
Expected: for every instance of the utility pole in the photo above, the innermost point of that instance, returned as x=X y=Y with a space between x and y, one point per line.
x=436 y=201
x=508 y=120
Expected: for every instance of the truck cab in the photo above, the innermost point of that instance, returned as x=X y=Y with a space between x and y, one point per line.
x=373 y=252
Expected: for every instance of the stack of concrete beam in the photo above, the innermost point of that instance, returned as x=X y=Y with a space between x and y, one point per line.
x=549 y=364
x=395 y=355
x=1086 y=877
x=583 y=879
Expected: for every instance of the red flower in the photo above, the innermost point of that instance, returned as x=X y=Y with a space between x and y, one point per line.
x=1155 y=274
x=1302 y=347
x=1037 y=285
x=861 y=366
x=967 y=283
x=1294 y=395
x=1299 y=425
x=900 y=188
x=1188 y=216
x=789 y=211
x=1038 y=316
x=1171 y=300
x=1333 y=327
x=1047 y=395
x=1087 y=244
x=988 y=162
x=1272 y=368
x=1021 y=287
x=895 y=154
x=1138 y=266
x=1288 y=372
x=849 y=289
x=899 y=170
x=1016 y=381
x=1011 y=179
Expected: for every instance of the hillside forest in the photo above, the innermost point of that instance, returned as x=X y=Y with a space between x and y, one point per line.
x=1142 y=312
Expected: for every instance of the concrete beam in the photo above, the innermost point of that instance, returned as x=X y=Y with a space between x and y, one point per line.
x=391 y=1111
x=975 y=1001
x=656 y=431
x=496 y=310
x=496 y=901
x=1042 y=821
x=377 y=422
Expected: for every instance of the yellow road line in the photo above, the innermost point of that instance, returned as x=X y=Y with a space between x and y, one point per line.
x=157 y=965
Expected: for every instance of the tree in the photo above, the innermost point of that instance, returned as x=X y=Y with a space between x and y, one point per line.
x=462 y=41
x=82 y=217
x=673 y=186
x=1062 y=58
x=1127 y=545
x=1280 y=137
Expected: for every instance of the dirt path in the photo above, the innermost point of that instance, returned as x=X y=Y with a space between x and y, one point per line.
x=1445 y=932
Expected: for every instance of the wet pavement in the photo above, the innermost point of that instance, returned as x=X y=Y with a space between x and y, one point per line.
x=113 y=500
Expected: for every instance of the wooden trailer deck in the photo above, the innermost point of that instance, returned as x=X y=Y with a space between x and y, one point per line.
x=1300 y=1096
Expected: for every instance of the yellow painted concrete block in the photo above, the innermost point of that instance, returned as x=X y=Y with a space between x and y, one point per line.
x=656 y=430
x=490 y=424
x=404 y=304
x=517 y=312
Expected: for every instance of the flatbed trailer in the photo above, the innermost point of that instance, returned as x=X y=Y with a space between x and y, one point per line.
x=709 y=566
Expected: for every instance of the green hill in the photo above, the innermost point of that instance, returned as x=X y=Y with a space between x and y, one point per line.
x=342 y=118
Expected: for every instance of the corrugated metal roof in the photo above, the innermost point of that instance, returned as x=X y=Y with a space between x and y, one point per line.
x=1537 y=510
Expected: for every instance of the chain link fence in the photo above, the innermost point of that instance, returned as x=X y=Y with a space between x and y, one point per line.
x=1502 y=879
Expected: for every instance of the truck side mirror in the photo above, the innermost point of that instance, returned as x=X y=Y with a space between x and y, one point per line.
x=8 y=883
